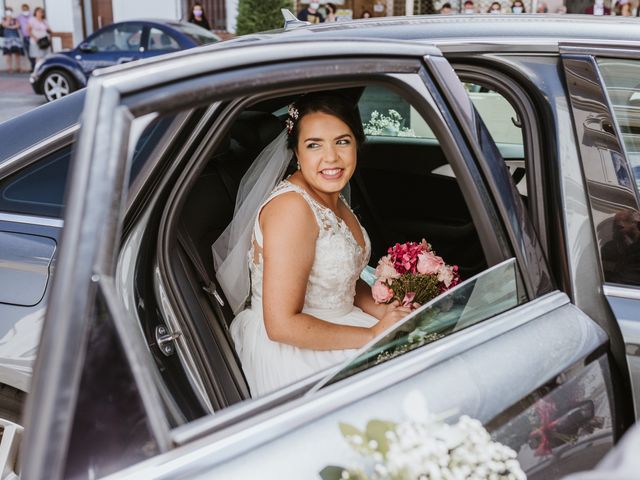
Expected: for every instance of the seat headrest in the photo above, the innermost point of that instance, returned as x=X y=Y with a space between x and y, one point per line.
x=255 y=130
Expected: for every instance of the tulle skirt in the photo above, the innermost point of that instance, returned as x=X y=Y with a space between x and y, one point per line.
x=270 y=365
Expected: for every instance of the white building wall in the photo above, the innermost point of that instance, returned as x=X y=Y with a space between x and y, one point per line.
x=160 y=9
x=232 y=15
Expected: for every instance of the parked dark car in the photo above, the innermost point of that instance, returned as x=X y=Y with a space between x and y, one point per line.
x=64 y=72
x=514 y=155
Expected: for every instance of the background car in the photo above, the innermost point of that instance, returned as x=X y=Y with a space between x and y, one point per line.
x=64 y=72
x=135 y=344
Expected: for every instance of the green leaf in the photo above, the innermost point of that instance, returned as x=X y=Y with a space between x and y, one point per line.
x=376 y=430
x=331 y=472
x=350 y=431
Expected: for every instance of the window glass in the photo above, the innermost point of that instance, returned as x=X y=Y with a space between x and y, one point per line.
x=39 y=188
x=159 y=40
x=198 y=34
x=124 y=37
x=385 y=113
x=613 y=180
x=622 y=80
x=486 y=295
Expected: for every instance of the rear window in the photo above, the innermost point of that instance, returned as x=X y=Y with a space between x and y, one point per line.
x=196 y=33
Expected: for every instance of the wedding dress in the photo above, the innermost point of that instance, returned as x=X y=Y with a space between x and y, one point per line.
x=339 y=259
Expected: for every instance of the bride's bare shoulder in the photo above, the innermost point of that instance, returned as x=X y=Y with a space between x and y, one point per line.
x=288 y=211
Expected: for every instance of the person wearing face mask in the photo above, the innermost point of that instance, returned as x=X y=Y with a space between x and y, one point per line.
x=311 y=14
x=517 y=7
x=23 y=19
x=198 y=17
x=12 y=48
x=495 y=8
x=469 y=7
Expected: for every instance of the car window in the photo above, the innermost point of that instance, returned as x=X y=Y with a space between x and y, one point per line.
x=613 y=179
x=159 y=40
x=39 y=188
x=385 y=113
x=118 y=38
x=198 y=34
x=479 y=298
x=622 y=80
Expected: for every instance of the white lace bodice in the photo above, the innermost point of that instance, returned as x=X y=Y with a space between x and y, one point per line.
x=339 y=259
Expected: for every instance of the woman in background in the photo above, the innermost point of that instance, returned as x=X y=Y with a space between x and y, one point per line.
x=12 y=47
x=198 y=17
x=38 y=29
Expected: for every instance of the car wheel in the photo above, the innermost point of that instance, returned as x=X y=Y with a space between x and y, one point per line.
x=56 y=84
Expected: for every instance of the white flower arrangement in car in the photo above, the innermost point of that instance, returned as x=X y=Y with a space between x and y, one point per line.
x=426 y=448
x=391 y=125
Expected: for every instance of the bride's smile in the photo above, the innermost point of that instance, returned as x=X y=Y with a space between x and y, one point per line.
x=326 y=152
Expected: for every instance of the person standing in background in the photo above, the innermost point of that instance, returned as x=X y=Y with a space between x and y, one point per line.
x=12 y=46
x=331 y=9
x=311 y=13
x=39 y=29
x=517 y=7
x=446 y=9
x=469 y=7
x=198 y=16
x=23 y=19
x=495 y=8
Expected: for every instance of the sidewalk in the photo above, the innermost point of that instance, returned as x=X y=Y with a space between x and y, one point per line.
x=16 y=95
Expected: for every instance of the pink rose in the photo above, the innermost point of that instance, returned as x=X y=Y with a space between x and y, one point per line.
x=381 y=292
x=428 y=263
x=385 y=269
x=446 y=276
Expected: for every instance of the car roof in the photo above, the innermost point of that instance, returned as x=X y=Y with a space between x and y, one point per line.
x=475 y=27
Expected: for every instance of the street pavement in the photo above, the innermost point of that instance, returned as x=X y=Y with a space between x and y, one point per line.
x=16 y=95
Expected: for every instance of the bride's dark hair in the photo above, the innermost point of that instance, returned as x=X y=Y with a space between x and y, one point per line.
x=331 y=103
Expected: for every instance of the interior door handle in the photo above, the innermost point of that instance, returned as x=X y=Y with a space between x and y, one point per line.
x=126 y=59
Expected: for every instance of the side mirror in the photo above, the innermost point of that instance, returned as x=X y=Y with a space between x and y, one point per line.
x=85 y=47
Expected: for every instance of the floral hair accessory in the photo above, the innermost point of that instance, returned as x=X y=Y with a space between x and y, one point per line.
x=293 y=116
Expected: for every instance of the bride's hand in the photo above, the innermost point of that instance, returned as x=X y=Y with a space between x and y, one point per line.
x=394 y=313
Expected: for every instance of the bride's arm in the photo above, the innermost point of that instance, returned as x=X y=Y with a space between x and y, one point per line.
x=290 y=232
x=365 y=301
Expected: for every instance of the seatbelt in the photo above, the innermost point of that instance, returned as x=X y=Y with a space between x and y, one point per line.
x=208 y=285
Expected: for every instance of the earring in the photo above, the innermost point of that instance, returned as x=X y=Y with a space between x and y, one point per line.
x=298 y=164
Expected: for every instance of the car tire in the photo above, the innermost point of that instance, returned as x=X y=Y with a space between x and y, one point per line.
x=12 y=402
x=57 y=84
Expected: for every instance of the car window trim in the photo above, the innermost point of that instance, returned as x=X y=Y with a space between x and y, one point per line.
x=34 y=153
x=519 y=98
x=31 y=220
x=621 y=291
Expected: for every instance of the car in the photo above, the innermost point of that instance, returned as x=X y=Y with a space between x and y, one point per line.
x=63 y=72
x=509 y=143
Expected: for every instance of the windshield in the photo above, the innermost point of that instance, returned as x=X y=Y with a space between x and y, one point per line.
x=196 y=33
x=489 y=293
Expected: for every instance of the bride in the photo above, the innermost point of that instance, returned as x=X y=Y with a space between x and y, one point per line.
x=308 y=309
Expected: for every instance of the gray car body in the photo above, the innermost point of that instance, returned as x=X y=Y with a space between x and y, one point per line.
x=297 y=424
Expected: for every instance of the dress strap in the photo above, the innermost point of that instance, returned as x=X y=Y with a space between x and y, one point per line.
x=285 y=186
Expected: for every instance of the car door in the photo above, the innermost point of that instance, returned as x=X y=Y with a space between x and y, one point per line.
x=94 y=363
x=119 y=43
x=604 y=99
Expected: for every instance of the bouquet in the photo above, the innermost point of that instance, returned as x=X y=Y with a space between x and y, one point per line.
x=426 y=448
x=412 y=273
